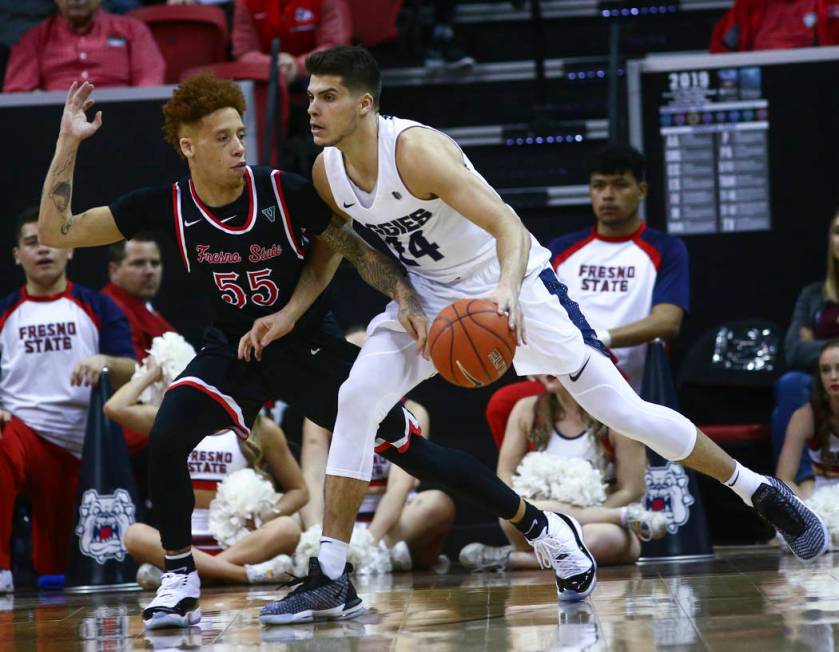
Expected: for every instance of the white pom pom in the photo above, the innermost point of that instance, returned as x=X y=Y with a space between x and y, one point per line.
x=172 y=353
x=542 y=476
x=825 y=502
x=243 y=496
x=366 y=557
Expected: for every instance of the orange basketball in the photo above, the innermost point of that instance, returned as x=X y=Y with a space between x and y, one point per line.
x=471 y=344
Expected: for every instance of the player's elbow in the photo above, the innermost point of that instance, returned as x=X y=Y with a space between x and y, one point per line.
x=47 y=236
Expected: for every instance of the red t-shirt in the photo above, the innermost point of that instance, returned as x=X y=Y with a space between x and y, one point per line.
x=304 y=27
x=787 y=24
x=145 y=322
x=116 y=51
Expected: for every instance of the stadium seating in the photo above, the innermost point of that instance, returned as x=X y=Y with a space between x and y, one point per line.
x=187 y=35
x=374 y=21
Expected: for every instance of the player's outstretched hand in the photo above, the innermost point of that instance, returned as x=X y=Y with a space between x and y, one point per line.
x=74 y=122
x=508 y=304
x=264 y=331
x=87 y=371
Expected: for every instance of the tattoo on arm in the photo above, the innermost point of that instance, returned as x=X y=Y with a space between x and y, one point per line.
x=373 y=266
x=60 y=195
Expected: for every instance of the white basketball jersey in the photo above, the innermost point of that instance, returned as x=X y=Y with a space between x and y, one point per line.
x=429 y=237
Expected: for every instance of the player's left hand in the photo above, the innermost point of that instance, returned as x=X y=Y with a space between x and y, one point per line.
x=413 y=320
x=507 y=301
x=87 y=371
x=264 y=331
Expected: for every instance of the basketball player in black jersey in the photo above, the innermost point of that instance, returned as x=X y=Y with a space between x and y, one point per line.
x=241 y=231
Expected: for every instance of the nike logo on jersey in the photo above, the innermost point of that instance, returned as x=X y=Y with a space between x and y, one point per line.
x=575 y=377
x=314 y=351
x=191 y=223
x=346 y=205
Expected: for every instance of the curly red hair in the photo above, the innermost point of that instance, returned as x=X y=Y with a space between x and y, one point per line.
x=195 y=97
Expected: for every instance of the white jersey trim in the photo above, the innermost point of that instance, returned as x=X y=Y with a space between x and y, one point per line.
x=227 y=402
x=214 y=221
x=287 y=227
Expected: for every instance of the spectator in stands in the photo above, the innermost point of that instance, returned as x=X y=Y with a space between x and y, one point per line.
x=135 y=270
x=254 y=558
x=630 y=280
x=303 y=26
x=554 y=423
x=812 y=432
x=776 y=25
x=55 y=339
x=84 y=43
x=444 y=52
x=815 y=321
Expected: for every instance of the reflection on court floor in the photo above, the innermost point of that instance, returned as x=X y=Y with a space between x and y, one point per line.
x=746 y=598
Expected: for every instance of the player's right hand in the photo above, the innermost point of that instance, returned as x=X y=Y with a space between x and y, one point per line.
x=264 y=331
x=74 y=122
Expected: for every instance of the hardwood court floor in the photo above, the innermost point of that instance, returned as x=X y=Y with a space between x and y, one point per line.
x=745 y=599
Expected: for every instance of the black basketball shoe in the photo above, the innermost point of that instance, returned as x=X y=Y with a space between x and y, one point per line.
x=804 y=531
x=316 y=598
x=176 y=602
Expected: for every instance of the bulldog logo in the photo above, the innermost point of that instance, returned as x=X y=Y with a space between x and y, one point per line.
x=667 y=491
x=103 y=522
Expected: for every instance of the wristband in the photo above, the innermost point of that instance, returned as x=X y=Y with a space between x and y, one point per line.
x=605 y=337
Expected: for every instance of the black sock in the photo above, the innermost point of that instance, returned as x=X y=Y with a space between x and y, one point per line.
x=533 y=522
x=183 y=563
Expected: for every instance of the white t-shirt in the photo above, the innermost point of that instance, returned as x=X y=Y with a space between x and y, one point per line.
x=617 y=281
x=41 y=340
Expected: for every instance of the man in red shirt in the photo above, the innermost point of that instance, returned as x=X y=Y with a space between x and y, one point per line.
x=776 y=25
x=135 y=271
x=303 y=26
x=83 y=42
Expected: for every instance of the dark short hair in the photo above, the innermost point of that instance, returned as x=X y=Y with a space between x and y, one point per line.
x=26 y=216
x=354 y=64
x=617 y=159
x=116 y=252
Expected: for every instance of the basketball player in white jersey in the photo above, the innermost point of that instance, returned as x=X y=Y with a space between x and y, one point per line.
x=416 y=189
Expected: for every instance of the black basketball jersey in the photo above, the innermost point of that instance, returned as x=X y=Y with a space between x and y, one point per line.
x=247 y=255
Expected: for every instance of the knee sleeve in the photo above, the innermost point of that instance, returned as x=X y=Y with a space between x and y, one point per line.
x=459 y=472
x=606 y=396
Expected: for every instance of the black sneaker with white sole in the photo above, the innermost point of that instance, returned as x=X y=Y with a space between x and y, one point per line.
x=176 y=602
x=804 y=531
x=316 y=598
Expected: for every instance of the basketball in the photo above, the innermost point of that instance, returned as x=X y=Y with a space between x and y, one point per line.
x=471 y=344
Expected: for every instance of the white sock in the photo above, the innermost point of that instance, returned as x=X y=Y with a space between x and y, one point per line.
x=332 y=557
x=744 y=482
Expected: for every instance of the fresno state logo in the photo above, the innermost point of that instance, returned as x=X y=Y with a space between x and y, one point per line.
x=667 y=492
x=103 y=522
